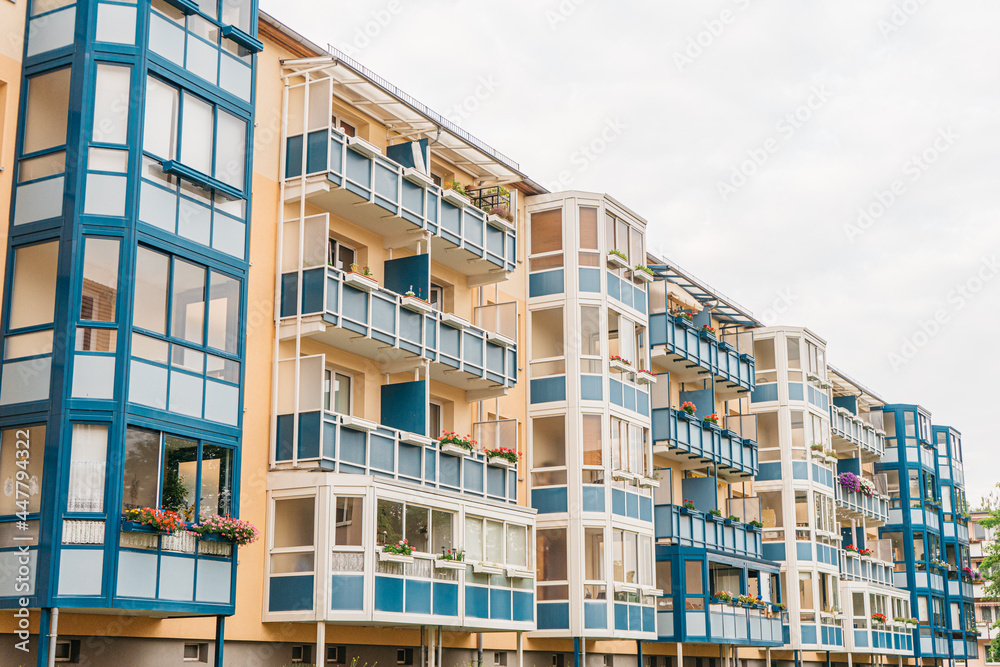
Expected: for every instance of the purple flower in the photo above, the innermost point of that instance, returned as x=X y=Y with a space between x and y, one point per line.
x=849 y=481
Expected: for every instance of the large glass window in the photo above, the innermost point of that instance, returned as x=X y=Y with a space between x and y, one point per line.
x=46 y=111
x=87 y=468
x=425 y=531
x=547 y=346
x=546 y=240
x=589 y=255
x=590 y=340
x=349 y=522
x=550 y=555
x=33 y=288
x=21 y=457
x=548 y=451
x=294 y=531
x=100 y=280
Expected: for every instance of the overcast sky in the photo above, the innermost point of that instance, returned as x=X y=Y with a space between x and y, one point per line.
x=751 y=135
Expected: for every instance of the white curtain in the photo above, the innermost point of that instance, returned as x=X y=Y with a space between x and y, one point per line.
x=88 y=463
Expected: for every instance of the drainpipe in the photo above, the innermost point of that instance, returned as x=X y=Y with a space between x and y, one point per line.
x=220 y=640
x=430 y=646
x=638 y=650
x=767 y=657
x=53 y=634
x=423 y=651
x=799 y=664
x=479 y=635
x=680 y=655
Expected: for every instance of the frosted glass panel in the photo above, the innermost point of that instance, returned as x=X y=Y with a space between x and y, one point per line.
x=23 y=381
x=93 y=376
x=185 y=394
x=160 y=123
x=234 y=77
x=28 y=345
x=51 y=32
x=202 y=59
x=166 y=38
x=221 y=402
x=33 y=295
x=88 y=461
x=152 y=272
x=229 y=236
x=105 y=195
x=46 y=111
x=111 y=102
x=115 y=23
x=196 y=142
x=230 y=159
x=39 y=201
x=157 y=207
x=147 y=385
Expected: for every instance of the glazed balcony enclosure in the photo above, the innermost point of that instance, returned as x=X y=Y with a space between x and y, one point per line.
x=855 y=504
x=731 y=444
x=332 y=555
x=391 y=195
x=690 y=354
x=849 y=432
x=876 y=568
x=396 y=447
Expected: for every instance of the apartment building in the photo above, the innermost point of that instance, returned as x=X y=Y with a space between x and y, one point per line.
x=475 y=421
x=987 y=610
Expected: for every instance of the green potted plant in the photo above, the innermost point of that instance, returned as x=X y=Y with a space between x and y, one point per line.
x=361 y=277
x=617 y=259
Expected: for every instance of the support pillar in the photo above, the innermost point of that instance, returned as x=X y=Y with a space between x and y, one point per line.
x=520 y=647
x=423 y=649
x=576 y=652
x=767 y=657
x=680 y=654
x=320 y=644
x=220 y=640
x=431 y=640
x=44 y=623
x=638 y=647
x=440 y=646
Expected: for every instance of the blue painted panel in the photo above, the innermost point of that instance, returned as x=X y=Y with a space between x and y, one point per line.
x=289 y=294
x=409 y=460
x=293 y=156
x=495 y=481
x=310 y=426
x=803 y=550
x=451 y=469
x=795 y=392
x=701 y=491
x=545 y=283
x=615 y=392
x=352 y=446
x=553 y=615
x=418 y=596
x=769 y=470
x=383 y=452
x=590 y=281
x=634 y=617
x=312 y=290
x=285 y=437
x=477 y=601
x=355 y=304
x=388 y=594
x=632 y=505
x=764 y=392
x=523 y=605
x=404 y=406
x=317 y=145
x=294 y=593
x=774 y=551
x=649 y=619
x=703 y=399
x=642 y=403
x=545 y=390
x=473 y=475
x=347 y=592
x=621 y=616
x=445 y=599
x=593 y=498
x=591 y=387
x=800 y=470
x=549 y=500
x=500 y=604
x=595 y=615
x=628 y=393
x=618 y=502
x=645 y=508
x=808 y=634
x=614 y=287
x=410 y=154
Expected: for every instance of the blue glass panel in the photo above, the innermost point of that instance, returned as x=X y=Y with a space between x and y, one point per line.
x=591 y=387
x=352 y=446
x=593 y=498
x=445 y=599
x=293 y=593
x=795 y=391
x=549 y=500
x=590 y=281
x=764 y=392
x=616 y=392
x=347 y=592
x=418 y=597
x=473 y=348
x=523 y=605
x=359 y=169
x=355 y=304
x=544 y=390
x=388 y=594
x=409 y=460
x=621 y=616
x=545 y=283
x=553 y=615
x=450 y=469
x=618 y=502
x=495 y=481
x=595 y=615
x=500 y=604
x=473 y=475
x=477 y=601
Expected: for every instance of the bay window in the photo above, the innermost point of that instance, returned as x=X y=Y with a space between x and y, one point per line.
x=293 y=545
x=426 y=531
x=496 y=541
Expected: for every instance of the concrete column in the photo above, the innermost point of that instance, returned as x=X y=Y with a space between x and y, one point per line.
x=321 y=644
x=680 y=654
x=220 y=640
x=520 y=649
x=431 y=640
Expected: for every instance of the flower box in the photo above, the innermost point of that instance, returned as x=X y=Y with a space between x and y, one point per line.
x=754 y=529
x=500 y=223
x=453 y=320
x=394 y=558
x=363 y=147
x=622 y=587
x=649 y=590
x=455 y=198
x=687 y=415
x=416 y=304
x=707 y=335
x=442 y=564
x=645 y=377
x=452 y=448
x=711 y=426
x=619 y=365
x=136 y=527
x=500 y=339
x=362 y=282
x=623 y=475
x=649 y=483
x=680 y=319
x=687 y=510
x=416 y=439
x=617 y=261
x=713 y=517
x=642 y=276
x=500 y=462
x=488 y=568
x=414 y=175
x=518 y=573
x=729 y=522
x=358 y=424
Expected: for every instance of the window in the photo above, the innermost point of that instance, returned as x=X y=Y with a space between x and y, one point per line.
x=794 y=360
x=87 y=468
x=100 y=280
x=592 y=446
x=341 y=256
x=763 y=352
x=589 y=251
x=593 y=546
x=546 y=240
x=434 y=418
x=162 y=470
x=424 y=530
x=196 y=653
x=496 y=542
x=302 y=653
x=547 y=347
x=337 y=392
x=551 y=563
x=629 y=447
x=107 y=163
x=68 y=651
x=548 y=451
x=404 y=656
x=336 y=655
x=39 y=193
x=694 y=585
x=21 y=453
x=771 y=515
x=437 y=297
x=591 y=360
x=500 y=658
x=293 y=542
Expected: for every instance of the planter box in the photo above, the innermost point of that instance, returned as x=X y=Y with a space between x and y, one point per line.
x=687 y=510
x=500 y=339
x=517 y=573
x=680 y=319
x=358 y=423
x=728 y=522
x=394 y=558
x=415 y=439
x=707 y=335
x=711 y=426
x=621 y=366
x=416 y=304
x=441 y=564
x=649 y=483
x=753 y=528
x=687 y=415
x=136 y=527
x=616 y=262
x=455 y=321
x=458 y=450
x=626 y=588
x=363 y=147
x=712 y=517
x=649 y=590
x=456 y=198
x=488 y=568
x=645 y=377
x=414 y=175
x=641 y=276
x=500 y=223
x=500 y=462
x=623 y=474
x=365 y=283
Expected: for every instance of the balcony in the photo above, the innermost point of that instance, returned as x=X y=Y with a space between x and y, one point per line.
x=691 y=355
x=727 y=624
x=351 y=179
x=874 y=569
x=377 y=325
x=694 y=443
x=851 y=432
x=894 y=638
x=342 y=574
x=693 y=528
x=954 y=530
x=854 y=505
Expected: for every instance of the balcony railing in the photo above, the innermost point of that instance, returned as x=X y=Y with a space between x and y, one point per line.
x=855 y=504
x=691 y=352
x=493 y=434
x=463 y=237
x=883 y=638
x=727 y=624
x=850 y=431
x=681 y=436
x=694 y=528
x=871 y=570
x=377 y=325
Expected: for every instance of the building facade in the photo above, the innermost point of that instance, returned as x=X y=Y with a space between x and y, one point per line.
x=475 y=421
x=987 y=610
